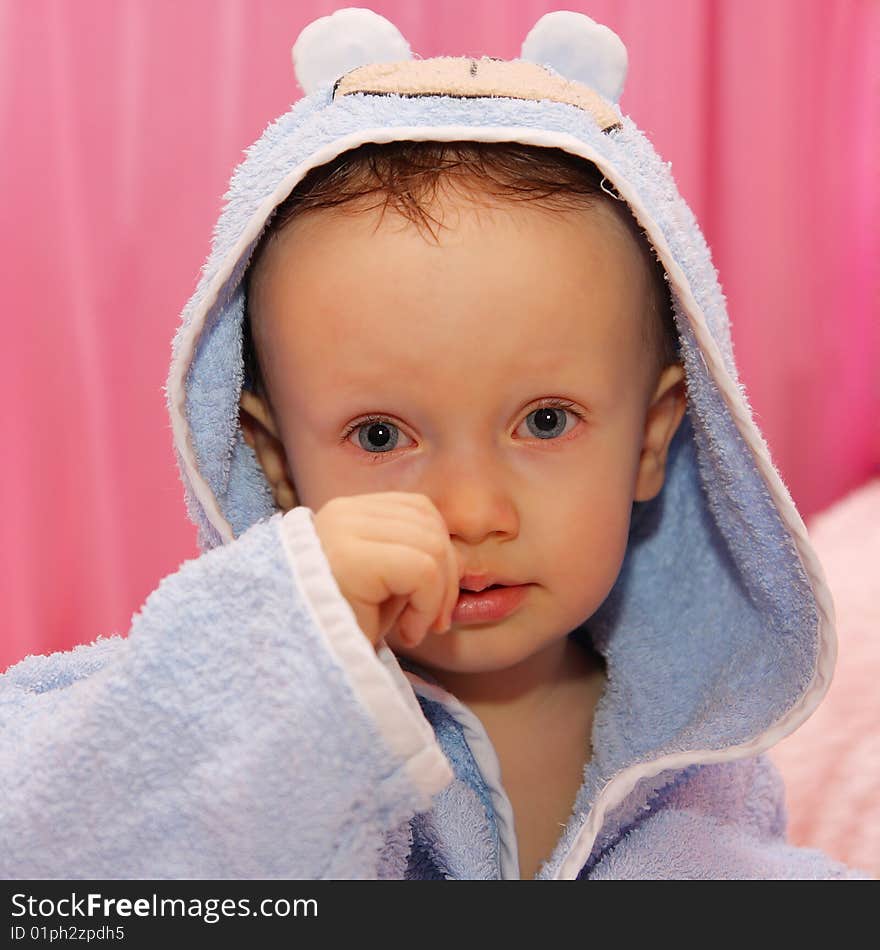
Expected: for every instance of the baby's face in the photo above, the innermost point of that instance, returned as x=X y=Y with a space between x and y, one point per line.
x=459 y=349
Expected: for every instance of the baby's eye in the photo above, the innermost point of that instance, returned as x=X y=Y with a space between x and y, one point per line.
x=376 y=435
x=549 y=422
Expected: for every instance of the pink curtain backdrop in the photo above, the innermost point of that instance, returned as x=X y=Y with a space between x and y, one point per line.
x=122 y=120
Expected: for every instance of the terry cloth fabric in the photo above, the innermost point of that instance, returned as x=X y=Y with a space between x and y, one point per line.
x=245 y=728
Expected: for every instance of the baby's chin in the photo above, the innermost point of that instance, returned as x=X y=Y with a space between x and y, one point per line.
x=471 y=649
x=438 y=662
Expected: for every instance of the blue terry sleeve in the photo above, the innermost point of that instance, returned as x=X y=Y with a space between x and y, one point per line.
x=245 y=728
x=722 y=821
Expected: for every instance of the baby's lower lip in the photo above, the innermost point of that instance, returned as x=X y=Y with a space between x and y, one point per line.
x=490 y=604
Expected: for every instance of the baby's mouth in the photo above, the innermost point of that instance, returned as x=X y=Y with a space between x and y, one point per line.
x=493 y=603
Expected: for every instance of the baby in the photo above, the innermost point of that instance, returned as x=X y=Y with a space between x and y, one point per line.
x=497 y=577
x=471 y=418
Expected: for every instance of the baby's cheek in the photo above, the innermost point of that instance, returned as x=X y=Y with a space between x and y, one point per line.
x=591 y=546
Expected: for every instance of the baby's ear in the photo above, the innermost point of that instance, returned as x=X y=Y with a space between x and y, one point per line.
x=254 y=409
x=663 y=418
x=260 y=431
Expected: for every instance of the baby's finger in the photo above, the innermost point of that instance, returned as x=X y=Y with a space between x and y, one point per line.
x=450 y=597
x=420 y=576
x=457 y=570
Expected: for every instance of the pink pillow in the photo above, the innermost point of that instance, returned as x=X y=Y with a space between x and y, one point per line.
x=831 y=765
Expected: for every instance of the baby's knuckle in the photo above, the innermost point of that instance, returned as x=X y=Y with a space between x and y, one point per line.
x=433 y=515
x=429 y=569
x=427 y=506
x=333 y=509
x=436 y=548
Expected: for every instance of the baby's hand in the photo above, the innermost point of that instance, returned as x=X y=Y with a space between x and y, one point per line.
x=393 y=561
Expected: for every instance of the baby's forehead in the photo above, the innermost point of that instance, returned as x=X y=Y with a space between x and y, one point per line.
x=523 y=277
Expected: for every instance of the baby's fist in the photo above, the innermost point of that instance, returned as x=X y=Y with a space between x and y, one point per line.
x=393 y=561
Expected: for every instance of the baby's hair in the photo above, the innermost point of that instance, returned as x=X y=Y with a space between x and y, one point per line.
x=407 y=174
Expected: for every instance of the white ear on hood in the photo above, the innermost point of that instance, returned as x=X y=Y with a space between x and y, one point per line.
x=332 y=45
x=579 y=48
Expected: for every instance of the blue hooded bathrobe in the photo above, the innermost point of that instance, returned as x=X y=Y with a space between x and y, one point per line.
x=246 y=728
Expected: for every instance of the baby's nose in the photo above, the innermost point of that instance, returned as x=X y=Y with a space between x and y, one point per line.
x=475 y=505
